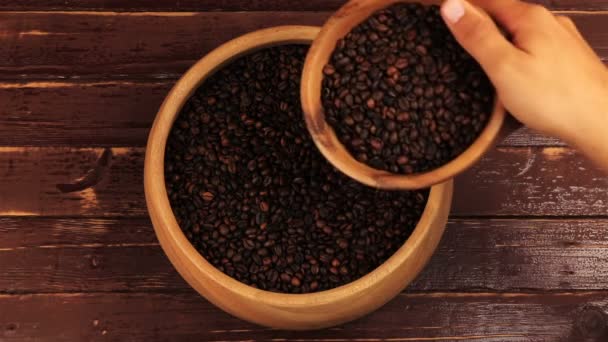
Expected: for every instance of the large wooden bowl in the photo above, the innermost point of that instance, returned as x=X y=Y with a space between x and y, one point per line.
x=288 y=311
x=342 y=22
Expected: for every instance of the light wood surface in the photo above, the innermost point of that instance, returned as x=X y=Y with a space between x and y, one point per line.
x=324 y=136
x=287 y=311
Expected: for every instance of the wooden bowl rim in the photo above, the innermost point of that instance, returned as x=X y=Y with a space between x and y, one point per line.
x=166 y=224
x=339 y=24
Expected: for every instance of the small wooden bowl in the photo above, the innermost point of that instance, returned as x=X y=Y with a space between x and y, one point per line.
x=340 y=24
x=287 y=311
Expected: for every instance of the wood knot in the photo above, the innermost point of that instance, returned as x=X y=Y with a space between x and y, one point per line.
x=592 y=323
x=11 y=328
x=95 y=261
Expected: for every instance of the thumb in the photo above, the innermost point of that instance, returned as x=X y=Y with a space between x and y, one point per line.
x=476 y=32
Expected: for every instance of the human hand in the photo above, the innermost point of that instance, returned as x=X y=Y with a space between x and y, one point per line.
x=547 y=76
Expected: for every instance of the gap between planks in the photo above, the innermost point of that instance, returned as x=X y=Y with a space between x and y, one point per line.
x=194 y=13
x=545 y=293
x=395 y=339
x=78 y=84
x=84 y=245
x=484 y=223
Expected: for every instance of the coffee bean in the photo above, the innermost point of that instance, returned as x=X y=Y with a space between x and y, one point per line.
x=224 y=230
x=371 y=103
x=401 y=63
x=285 y=277
x=418 y=73
x=295 y=282
x=256 y=198
x=329 y=70
x=376 y=143
x=343 y=270
x=207 y=196
x=391 y=70
x=248 y=244
x=421 y=49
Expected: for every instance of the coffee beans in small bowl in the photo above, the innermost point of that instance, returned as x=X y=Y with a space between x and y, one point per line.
x=252 y=215
x=392 y=100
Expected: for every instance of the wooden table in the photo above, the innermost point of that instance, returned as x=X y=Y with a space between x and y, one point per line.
x=524 y=257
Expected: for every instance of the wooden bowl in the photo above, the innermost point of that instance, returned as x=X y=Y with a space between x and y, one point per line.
x=341 y=23
x=287 y=311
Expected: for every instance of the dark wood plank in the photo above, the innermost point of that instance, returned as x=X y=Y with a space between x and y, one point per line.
x=108 y=113
x=172 y=5
x=409 y=317
x=112 y=113
x=99 y=255
x=29 y=179
x=524 y=136
x=592 y=26
x=125 y=267
x=158 y=44
x=531 y=181
x=519 y=255
x=36 y=232
x=233 y=5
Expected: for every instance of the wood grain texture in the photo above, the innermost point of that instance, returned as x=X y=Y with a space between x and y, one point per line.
x=108 y=113
x=87 y=269
x=36 y=232
x=111 y=113
x=409 y=317
x=158 y=44
x=530 y=181
x=29 y=179
x=100 y=255
x=519 y=255
x=233 y=5
x=527 y=137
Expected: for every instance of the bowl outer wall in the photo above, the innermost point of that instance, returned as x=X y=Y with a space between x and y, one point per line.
x=277 y=310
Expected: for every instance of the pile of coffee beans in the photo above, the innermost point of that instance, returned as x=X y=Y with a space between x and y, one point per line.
x=255 y=197
x=401 y=94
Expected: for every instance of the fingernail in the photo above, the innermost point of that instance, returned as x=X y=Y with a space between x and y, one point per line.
x=452 y=10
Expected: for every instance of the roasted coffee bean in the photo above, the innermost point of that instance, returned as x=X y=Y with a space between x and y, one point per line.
x=256 y=198
x=207 y=196
x=418 y=82
x=264 y=206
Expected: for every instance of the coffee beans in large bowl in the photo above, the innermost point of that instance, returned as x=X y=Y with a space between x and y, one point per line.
x=401 y=93
x=305 y=210
x=255 y=197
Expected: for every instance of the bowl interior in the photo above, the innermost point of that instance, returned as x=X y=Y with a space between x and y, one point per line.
x=175 y=243
x=342 y=22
